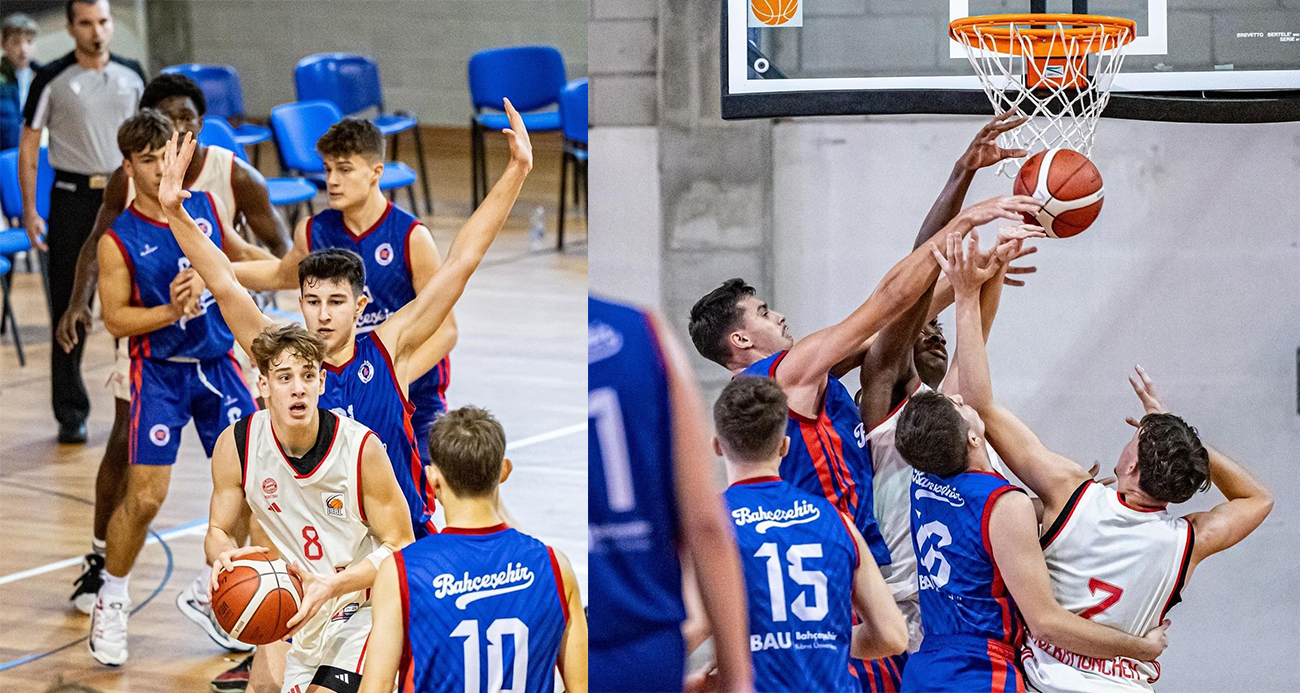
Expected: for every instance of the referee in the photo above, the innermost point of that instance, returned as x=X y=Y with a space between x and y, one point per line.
x=82 y=98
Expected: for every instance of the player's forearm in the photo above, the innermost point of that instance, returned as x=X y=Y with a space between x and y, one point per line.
x=87 y=274
x=717 y=567
x=1232 y=479
x=972 y=356
x=130 y=321
x=1089 y=638
x=29 y=149
x=990 y=299
x=434 y=349
x=941 y=298
x=474 y=238
x=947 y=205
x=258 y=275
x=357 y=577
x=216 y=542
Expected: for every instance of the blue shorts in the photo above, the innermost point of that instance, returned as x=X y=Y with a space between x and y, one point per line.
x=165 y=395
x=880 y=675
x=963 y=664
x=427 y=393
x=655 y=663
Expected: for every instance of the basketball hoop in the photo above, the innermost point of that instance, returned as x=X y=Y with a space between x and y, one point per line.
x=1038 y=65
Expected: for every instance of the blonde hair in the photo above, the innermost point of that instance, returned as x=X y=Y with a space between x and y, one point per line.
x=290 y=337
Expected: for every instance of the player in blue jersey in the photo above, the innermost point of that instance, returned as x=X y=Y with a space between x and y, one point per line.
x=735 y=329
x=181 y=362
x=644 y=414
x=481 y=606
x=981 y=573
x=369 y=373
x=398 y=251
x=807 y=569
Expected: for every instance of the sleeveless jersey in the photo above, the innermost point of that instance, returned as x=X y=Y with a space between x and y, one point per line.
x=153 y=257
x=483 y=609
x=1115 y=564
x=316 y=519
x=366 y=390
x=799 y=559
x=384 y=248
x=636 y=578
x=828 y=456
x=214 y=177
x=961 y=589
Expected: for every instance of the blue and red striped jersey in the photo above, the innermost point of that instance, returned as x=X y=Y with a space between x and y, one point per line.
x=153 y=257
x=961 y=588
x=366 y=390
x=483 y=610
x=829 y=457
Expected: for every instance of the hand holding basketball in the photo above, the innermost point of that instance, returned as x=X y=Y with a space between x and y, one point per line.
x=984 y=150
x=225 y=561
x=1011 y=207
x=316 y=590
x=176 y=159
x=521 y=148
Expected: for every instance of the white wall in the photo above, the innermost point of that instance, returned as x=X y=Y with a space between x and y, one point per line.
x=1191 y=270
x=625 y=212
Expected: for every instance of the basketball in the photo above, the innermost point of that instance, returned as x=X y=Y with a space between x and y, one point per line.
x=255 y=599
x=774 y=12
x=1068 y=185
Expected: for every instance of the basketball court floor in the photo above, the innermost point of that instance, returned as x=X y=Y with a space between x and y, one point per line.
x=520 y=355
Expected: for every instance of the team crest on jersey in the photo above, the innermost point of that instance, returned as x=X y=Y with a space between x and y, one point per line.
x=333 y=503
x=603 y=341
x=205 y=226
x=269 y=488
x=160 y=435
x=515 y=577
x=366 y=372
x=384 y=254
x=800 y=513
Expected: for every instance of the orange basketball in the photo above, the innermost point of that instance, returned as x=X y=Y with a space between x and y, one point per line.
x=774 y=12
x=1068 y=185
x=256 y=598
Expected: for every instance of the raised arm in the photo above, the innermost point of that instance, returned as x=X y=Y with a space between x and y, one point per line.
x=706 y=538
x=387 y=632
x=425 y=261
x=1013 y=535
x=252 y=199
x=883 y=631
x=237 y=307
x=1052 y=477
x=572 y=660
x=413 y=325
x=87 y=274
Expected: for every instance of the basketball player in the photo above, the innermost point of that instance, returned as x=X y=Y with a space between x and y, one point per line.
x=982 y=576
x=644 y=414
x=181 y=361
x=446 y=606
x=238 y=190
x=370 y=372
x=1117 y=556
x=398 y=251
x=322 y=491
x=800 y=629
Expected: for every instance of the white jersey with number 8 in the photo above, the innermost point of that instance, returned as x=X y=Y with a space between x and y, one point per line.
x=1115 y=564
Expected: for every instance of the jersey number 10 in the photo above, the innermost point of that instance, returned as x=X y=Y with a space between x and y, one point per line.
x=513 y=627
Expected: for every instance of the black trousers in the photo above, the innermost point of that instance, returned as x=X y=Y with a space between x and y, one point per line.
x=73 y=206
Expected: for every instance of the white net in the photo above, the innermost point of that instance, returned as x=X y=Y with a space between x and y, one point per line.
x=1063 y=91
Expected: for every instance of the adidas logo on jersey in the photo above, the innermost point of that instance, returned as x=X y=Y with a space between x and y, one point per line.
x=274 y=507
x=515 y=577
x=800 y=513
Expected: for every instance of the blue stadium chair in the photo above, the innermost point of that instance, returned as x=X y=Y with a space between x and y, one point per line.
x=288 y=192
x=531 y=77
x=7 y=319
x=352 y=83
x=298 y=126
x=225 y=97
x=14 y=240
x=573 y=111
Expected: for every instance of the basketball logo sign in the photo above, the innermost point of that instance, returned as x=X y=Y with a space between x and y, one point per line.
x=333 y=503
x=384 y=254
x=366 y=372
x=769 y=13
x=160 y=435
x=205 y=226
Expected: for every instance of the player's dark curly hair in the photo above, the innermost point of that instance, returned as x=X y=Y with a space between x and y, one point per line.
x=144 y=132
x=165 y=86
x=931 y=435
x=352 y=136
x=332 y=265
x=714 y=316
x=1173 y=465
x=750 y=417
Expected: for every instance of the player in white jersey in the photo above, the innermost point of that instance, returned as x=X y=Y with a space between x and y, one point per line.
x=323 y=494
x=1116 y=556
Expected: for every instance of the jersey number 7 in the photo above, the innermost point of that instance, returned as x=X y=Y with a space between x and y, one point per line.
x=1112 y=595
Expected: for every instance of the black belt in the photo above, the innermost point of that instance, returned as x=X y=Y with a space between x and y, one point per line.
x=80 y=181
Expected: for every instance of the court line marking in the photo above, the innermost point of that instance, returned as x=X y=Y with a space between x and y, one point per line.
x=200 y=525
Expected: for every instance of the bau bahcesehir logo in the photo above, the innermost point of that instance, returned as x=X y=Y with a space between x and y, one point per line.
x=515 y=577
x=801 y=512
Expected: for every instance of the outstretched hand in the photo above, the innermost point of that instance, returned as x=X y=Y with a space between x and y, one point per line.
x=176 y=159
x=521 y=148
x=1010 y=207
x=1146 y=391
x=966 y=267
x=984 y=150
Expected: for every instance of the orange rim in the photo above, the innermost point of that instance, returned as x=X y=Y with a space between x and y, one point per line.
x=1046 y=32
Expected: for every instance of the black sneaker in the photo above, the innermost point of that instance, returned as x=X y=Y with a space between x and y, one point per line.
x=233 y=680
x=92 y=578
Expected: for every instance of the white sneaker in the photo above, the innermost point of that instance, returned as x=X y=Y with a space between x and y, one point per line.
x=193 y=602
x=108 y=631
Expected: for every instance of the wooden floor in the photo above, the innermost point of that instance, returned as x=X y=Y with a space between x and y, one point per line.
x=520 y=354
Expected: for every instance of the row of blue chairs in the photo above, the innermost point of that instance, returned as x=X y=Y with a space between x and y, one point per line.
x=13 y=240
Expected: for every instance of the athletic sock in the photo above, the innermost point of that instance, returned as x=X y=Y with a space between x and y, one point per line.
x=99 y=547
x=115 y=587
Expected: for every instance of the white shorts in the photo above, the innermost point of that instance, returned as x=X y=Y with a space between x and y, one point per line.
x=120 y=379
x=343 y=647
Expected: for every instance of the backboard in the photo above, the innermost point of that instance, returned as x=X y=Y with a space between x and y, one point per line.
x=1192 y=60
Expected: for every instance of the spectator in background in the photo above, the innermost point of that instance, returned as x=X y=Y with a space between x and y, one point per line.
x=17 y=70
x=82 y=98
